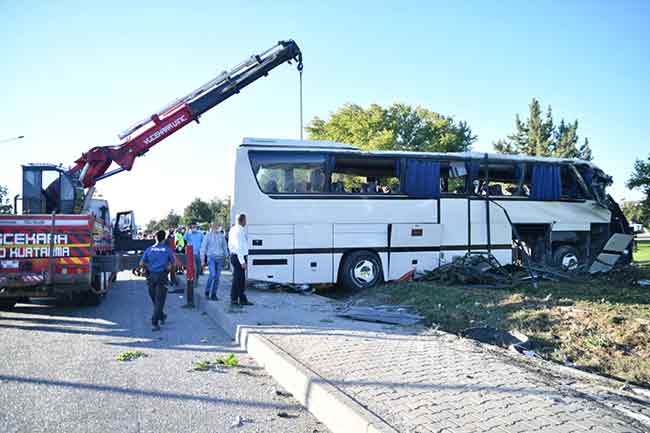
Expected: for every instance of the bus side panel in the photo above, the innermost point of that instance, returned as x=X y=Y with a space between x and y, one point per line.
x=500 y=231
x=413 y=246
x=271 y=253
x=454 y=228
x=313 y=262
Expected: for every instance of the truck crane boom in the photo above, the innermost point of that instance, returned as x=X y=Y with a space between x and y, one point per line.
x=143 y=135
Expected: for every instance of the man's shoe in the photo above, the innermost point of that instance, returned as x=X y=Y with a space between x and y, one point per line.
x=164 y=318
x=214 y=298
x=207 y=295
x=155 y=327
x=234 y=304
x=246 y=302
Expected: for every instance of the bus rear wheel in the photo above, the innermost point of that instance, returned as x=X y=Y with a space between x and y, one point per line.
x=361 y=270
x=566 y=258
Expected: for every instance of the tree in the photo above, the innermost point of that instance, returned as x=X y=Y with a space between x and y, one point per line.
x=397 y=127
x=220 y=211
x=632 y=210
x=5 y=207
x=197 y=211
x=170 y=221
x=640 y=179
x=538 y=135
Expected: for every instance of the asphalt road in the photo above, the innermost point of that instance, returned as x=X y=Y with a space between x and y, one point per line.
x=59 y=373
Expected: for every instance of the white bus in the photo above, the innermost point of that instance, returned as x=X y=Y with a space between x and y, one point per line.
x=324 y=212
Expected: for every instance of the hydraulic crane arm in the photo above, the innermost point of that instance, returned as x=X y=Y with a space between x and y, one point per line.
x=143 y=135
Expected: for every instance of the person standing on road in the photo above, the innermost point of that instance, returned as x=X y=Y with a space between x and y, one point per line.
x=194 y=237
x=214 y=250
x=158 y=260
x=238 y=245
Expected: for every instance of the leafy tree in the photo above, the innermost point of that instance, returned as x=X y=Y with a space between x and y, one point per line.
x=539 y=135
x=5 y=207
x=397 y=127
x=633 y=210
x=220 y=211
x=198 y=210
x=170 y=221
x=641 y=179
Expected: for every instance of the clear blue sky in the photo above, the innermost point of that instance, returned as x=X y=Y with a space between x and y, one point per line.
x=74 y=74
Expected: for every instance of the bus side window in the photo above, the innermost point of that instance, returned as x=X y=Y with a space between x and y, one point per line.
x=365 y=174
x=571 y=188
x=289 y=172
x=453 y=176
x=505 y=179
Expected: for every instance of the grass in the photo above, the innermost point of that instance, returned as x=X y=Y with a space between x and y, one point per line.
x=601 y=326
x=643 y=253
x=131 y=355
x=227 y=361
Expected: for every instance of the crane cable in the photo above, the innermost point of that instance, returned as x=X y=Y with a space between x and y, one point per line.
x=300 y=85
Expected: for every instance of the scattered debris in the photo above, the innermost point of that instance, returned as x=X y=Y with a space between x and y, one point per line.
x=472 y=268
x=287 y=415
x=282 y=393
x=605 y=261
x=228 y=361
x=382 y=314
x=202 y=365
x=644 y=283
x=327 y=320
x=239 y=421
x=497 y=337
x=131 y=355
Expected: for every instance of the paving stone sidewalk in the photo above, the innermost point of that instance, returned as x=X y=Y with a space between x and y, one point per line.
x=430 y=383
x=442 y=383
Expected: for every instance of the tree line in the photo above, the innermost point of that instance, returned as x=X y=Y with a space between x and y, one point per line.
x=198 y=211
x=414 y=128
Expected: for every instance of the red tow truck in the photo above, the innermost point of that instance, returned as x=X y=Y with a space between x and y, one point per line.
x=63 y=243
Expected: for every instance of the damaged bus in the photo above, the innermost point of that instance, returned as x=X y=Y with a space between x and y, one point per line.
x=324 y=212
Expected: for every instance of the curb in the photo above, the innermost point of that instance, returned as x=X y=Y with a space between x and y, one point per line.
x=338 y=411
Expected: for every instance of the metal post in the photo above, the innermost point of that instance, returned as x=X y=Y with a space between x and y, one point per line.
x=189 y=292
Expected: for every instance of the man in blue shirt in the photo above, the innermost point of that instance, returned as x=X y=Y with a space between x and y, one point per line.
x=158 y=260
x=194 y=237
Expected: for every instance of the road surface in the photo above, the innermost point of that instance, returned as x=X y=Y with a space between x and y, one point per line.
x=59 y=373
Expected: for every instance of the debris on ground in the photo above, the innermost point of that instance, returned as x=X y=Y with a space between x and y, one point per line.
x=472 y=268
x=282 y=393
x=239 y=421
x=131 y=355
x=497 y=337
x=287 y=415
x=394 y=315
x=202 y=365
x=228 y=361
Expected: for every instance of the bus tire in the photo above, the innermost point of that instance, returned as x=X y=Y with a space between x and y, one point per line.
x=566 y=258
x=361 y=270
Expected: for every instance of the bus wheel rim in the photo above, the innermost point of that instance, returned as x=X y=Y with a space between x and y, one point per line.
x=364 y=272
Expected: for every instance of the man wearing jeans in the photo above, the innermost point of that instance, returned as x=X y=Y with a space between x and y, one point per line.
x=158 y=260
x=214 y=249
x=238 y=246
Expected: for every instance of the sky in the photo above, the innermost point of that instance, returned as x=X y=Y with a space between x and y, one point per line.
x=75 y=74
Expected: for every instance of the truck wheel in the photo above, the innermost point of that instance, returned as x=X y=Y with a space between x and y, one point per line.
x=93 y=299
x=566 y=258
x=361 y=270
x=7 y=304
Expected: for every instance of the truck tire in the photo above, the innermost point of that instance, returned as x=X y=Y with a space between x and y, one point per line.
x=566 y=258
x=7 y=304
x=361 y=270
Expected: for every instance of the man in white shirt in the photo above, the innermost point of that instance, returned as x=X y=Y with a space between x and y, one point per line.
x=238 y=246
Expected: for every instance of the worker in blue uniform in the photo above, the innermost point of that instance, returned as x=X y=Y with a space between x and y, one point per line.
x=158 y=260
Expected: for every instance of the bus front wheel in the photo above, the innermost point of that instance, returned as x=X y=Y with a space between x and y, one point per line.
x=361 y=270
x=566 y=258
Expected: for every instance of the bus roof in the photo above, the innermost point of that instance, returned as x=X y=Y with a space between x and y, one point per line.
x=312 y=145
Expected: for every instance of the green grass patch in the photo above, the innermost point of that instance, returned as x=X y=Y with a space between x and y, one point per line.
x=602 y=325
x=228 y=361
x=642 y=253
x=131 y=355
